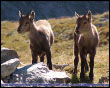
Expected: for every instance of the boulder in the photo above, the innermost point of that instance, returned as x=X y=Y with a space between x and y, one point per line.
x=2 y=82
x=9 y=67
x=38 y=73
x=7 y=54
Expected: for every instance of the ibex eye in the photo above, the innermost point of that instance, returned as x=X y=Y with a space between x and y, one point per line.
x=27 y=23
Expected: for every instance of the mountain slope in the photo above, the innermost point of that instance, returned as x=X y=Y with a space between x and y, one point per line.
x=51 y=9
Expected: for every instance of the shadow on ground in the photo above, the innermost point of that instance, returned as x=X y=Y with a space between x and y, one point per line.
x=76 y=79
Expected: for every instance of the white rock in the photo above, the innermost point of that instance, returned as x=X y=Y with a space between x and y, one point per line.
x=2 y=82
x=38 y=73
x=9 y=67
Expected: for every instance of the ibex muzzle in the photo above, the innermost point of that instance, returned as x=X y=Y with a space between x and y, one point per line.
x=19 y=28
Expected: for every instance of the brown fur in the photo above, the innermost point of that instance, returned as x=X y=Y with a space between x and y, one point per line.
x=41 y=37
x=85 y=42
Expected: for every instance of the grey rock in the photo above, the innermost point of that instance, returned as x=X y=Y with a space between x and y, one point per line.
x=9 y=67
x=7 y=54
x=38 y=73
x=2 y=82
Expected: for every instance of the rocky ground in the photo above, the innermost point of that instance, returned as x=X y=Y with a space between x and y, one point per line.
x=34 y=73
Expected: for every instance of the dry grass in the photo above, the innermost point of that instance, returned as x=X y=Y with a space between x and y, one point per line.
x=62 y=49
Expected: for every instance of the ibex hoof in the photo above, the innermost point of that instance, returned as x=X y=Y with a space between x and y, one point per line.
x=82 y=75
x=91 y=76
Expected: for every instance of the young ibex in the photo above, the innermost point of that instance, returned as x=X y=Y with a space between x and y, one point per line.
x=40 y=34
x=86 y=39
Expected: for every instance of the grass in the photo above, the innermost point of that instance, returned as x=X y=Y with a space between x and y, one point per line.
x=62 y=49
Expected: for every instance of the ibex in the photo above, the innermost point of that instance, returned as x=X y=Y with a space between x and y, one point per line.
x=40 y=34
x=86 y=39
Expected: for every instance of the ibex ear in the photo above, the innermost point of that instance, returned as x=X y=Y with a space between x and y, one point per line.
x=77 y=15
x=32 y=15
x=89 y=16
x=20 y=13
